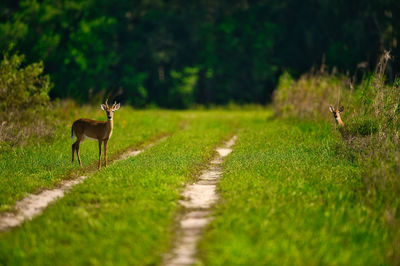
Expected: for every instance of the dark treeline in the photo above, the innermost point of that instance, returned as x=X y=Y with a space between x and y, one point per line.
x=174 y=53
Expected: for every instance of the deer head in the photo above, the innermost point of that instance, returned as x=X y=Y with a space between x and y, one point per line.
x=336 y=114
x=110 y=110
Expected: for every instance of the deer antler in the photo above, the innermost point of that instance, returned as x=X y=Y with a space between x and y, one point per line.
x=107 y=103
x=115 y=103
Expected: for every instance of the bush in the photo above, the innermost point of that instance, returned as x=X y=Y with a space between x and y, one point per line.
x=22 y=87
x=310 y=95
x=24 y=101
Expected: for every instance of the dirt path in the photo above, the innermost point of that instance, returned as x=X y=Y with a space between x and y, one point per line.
x=34 y=204
x=199 y=198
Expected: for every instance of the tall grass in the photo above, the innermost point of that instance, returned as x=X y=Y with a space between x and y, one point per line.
x=371 y=135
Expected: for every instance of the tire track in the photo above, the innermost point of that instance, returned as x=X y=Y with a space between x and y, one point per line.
x=198 y=199
x=34 y=204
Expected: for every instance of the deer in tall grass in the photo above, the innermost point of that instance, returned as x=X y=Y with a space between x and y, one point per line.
x=91 y=129
x=336 y=115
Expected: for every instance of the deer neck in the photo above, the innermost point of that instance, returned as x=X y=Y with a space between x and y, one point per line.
x=109 y=127
x=339 y=121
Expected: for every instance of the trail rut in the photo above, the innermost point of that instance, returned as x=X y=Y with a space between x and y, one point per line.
x=199 y=197
x=34 y=204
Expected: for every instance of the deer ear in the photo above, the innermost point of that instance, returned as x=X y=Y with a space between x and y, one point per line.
x=117 y=107
x=341 y=109
x=103 y=107
x=331 y=108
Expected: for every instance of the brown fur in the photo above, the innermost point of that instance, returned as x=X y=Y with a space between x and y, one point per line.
x=336 y=115
x=100 y=130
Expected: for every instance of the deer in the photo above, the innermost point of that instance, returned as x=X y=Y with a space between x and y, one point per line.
x=336 y=115
x=92 y=129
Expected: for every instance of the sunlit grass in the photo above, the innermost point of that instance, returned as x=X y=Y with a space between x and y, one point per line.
x=290 y=194
x=289 y=199
x=123 y=215
x=43 y=163
x=370 y=136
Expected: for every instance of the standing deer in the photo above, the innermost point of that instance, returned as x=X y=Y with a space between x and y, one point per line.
x=336 y=115
x=91 y=129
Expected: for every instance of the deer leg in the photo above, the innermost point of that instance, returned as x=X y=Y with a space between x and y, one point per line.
x=78 y=143
x=99 y=154
x=73 y=152
x=105 y=152
x=74 y=148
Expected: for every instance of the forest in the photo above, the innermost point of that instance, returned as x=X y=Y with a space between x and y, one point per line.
x=180 y=54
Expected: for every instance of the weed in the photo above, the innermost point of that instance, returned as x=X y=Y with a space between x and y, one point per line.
x=372 y=133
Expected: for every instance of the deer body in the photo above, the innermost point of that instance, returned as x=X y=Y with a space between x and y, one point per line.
x=92 y=129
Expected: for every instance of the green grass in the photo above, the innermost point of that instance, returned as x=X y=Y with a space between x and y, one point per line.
x=123 y=215
x=43 y=163
x=290 y=194
x=370 y=137
x=288 y=198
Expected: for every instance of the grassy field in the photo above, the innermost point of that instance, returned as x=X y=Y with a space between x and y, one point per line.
x=288 y=198
x=370 y=137
x=123 y=214
x=289 y=195
x=41 y=164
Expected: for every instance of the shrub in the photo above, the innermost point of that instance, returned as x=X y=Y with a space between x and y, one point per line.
x=24 y=101
x=22 y=87
x=310 y=95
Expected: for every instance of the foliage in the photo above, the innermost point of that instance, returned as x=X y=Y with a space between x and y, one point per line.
x=181 y=94
x=371 y=135
x=309 y=95
x=23 y=101
x=370 y=107
x=130 y=51
x=22 y=87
